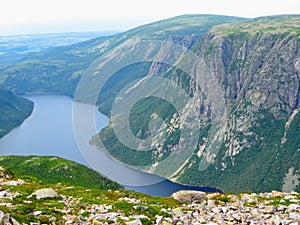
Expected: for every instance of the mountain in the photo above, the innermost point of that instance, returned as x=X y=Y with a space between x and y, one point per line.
x=58 y=70
x=53 y=170
x=200 y=99
x=243 y=80
x=14 y=110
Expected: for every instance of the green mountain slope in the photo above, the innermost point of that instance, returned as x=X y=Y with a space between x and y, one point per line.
x=254 y=142
x=14 y=110
x=54 y=170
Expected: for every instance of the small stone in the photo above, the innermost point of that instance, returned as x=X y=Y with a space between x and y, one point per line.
x=211 y=203
x=177 y=212
x=289 y=197
x=108 y=207
x=141 y=207
x=166 y=223
x=70 y=217
x=269 y=209
x=282 y=208
x=293 y=207
x=277 y=194
x=13 y=182
x=96 y=222
x=158 y=220
x=6 y=219
x=229 y=218
x=52 y=220
x=224 y=209
x=37 y=213
x=294 y=216
x=163 y=210
x=269 y=222
x=236 y=217
x=134 y=222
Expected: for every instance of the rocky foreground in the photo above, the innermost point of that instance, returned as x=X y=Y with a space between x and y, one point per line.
x=29 y=201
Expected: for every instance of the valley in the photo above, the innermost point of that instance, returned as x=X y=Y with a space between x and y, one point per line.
x=219 y=109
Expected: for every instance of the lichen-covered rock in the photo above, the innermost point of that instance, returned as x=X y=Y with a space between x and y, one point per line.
x=186 y=196
x=44 y=193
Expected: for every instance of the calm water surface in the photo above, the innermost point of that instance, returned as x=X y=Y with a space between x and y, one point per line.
x=49 y=131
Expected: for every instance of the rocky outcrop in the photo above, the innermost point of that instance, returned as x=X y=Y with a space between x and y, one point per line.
x=60 y=204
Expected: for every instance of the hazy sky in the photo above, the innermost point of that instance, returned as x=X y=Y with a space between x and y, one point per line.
x=40 y=16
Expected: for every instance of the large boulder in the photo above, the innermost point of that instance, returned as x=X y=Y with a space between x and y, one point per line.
x=44 y=193
x=185 y=196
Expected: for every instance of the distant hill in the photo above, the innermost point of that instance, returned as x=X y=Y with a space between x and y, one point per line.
x=54 y=170
x=14 y=110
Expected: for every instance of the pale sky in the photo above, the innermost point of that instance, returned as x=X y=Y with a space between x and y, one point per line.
x=42 y=16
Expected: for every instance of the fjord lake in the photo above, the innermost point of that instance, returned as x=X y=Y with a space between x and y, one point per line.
x=49 y=131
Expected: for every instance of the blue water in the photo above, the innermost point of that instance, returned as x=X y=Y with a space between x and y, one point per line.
x=50 y=131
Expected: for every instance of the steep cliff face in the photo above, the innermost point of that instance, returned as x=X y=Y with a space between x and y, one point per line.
x=243 y=80
x=257 y=67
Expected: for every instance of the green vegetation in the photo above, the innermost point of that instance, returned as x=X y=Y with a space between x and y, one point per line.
x=52 y=170
x=285 y=24
x=14 y=110
x=119 y=151
x=259 y=168
x=74 y=200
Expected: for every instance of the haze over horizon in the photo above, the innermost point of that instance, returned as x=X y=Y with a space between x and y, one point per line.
x=34 y=17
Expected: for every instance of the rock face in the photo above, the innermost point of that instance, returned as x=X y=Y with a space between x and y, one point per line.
x=260 y=80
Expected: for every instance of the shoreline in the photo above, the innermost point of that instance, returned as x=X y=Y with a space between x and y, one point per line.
x=107 y=154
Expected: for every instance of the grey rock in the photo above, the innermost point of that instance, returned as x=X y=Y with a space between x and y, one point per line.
x=293 y=207
x=186 y=196
x=44 y=193
x=37 y=213
x=158 y=220
x=6 y=219
x=135 y=222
